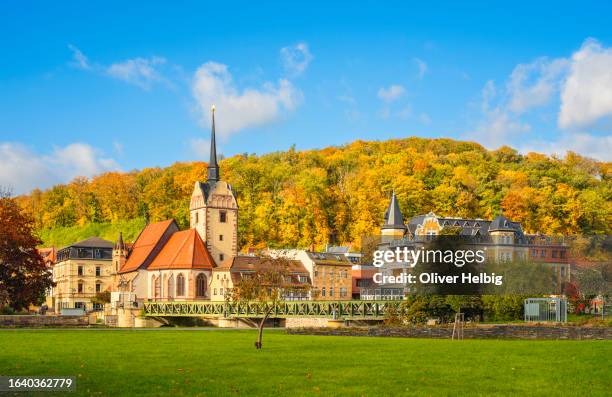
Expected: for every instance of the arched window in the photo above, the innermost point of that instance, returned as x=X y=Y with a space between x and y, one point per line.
x=180 y=285
x=171 y=287
x=201 y=285
x=156 y=287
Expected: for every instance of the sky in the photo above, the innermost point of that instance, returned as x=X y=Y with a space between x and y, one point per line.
x=88 y=87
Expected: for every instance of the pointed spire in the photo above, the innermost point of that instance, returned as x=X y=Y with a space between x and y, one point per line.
x=393 y=215
x=213 y=167
x=119 y=245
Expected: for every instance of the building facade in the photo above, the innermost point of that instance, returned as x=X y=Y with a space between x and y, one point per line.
x=81 y=271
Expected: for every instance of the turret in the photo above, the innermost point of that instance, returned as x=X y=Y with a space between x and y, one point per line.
x=394 y=221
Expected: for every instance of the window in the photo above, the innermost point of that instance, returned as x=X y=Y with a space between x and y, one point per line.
x=80 y=270
x=180 y=285
x=343 y=292
x=220 y=291
x=563 y=271
x=316 y=273
x=197 y=218
x=534 y=252
x=171 y=286
x=201 y=285
x=98 y=271
x=222 y=216
x=98 y=287
x=331 y=291
x=561 y=254
x=215 y=291
x=217 y=276
x=80 y=288
x=542 y=253
x=220 y=237
x=323 y=291
x=221 y=257
x=554 y=253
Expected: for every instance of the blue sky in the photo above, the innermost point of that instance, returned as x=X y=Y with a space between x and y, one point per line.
x=91 y=87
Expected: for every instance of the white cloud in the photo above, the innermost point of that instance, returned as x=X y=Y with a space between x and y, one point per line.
x=23 y=170
x=534 y=84
x=201 y=148
x=392 y=93
x=597 y=147
x=296 y=58
x=422 y=66
x=141 y=72
x=586 y=96
x=79 y=59
x=237 y=110
x=498 y=124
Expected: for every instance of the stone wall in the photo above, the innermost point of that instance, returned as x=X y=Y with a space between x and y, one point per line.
x=477 y=332
x=43 y=321
x=305 y=322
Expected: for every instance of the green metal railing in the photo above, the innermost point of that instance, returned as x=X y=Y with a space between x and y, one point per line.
x=339 y=309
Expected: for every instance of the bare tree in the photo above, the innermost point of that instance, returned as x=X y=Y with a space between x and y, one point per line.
x=272 y=283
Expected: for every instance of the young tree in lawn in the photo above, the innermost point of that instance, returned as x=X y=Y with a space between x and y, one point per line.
x=271 y=283
x=23 y=274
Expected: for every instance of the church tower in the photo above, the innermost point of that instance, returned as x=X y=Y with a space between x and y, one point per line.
x=119 y=254
x=214 y=210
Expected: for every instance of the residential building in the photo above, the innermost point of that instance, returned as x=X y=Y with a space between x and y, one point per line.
x=81 y=271
x=362 y=278
x=331 y=274
x=224 y=278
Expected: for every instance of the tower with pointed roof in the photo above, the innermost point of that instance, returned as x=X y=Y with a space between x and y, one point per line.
x=214 y=209
x=119 y=253
x=394 y=226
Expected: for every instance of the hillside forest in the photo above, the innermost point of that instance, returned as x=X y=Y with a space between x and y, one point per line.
x=339 y=194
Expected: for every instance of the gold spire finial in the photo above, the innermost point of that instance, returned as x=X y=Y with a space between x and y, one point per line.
x=212 y=108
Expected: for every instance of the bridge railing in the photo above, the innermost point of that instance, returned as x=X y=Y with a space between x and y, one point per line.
x=338 y=309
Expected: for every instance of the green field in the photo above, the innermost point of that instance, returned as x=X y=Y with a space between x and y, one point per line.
x=224 y=362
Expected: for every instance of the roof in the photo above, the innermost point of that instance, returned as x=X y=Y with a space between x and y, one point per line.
x=93 y=242
x=469 y=227
x=150 y=241
x=184 y=250
x=251 y=264
x=338 y=249
x=393 y=215
x=328 y=258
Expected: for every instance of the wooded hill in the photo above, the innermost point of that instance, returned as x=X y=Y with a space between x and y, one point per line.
x=338 y=194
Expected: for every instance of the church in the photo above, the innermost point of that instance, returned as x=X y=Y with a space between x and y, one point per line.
x=165 y=263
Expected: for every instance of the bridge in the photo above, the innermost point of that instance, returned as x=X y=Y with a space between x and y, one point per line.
x=356 y=309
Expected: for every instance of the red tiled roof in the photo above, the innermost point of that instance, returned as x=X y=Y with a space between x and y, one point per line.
x=184 y=250
x=151 y=239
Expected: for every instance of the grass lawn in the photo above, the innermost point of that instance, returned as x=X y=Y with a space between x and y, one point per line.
x=200 y=362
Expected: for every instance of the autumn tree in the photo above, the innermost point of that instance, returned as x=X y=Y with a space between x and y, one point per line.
x=23 y=274
x=267 y=287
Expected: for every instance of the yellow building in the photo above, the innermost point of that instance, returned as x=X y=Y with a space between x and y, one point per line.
x=82 y=270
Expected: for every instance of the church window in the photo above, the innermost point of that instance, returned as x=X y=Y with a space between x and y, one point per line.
x=180 y=285
x=201 y=285
x=222 y=216
x=171 y=286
